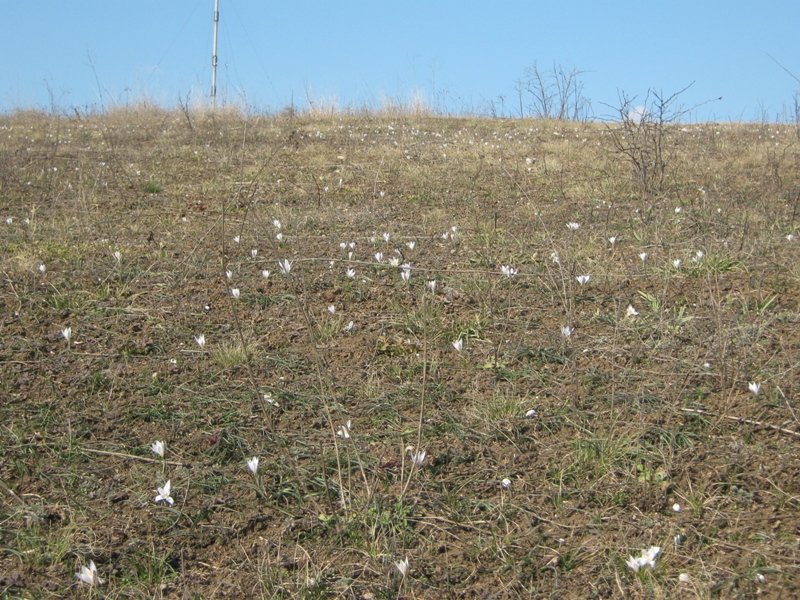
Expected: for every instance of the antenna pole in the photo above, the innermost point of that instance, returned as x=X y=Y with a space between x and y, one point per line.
x=214 y=57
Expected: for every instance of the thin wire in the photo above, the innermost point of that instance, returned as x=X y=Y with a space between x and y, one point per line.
x=252 y=45
x=174 y=39
x=228 y=46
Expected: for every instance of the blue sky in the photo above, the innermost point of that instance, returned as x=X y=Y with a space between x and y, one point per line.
x=459 y=56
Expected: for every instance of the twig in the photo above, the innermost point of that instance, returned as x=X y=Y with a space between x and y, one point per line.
x=788 y=72
x=133 y=457
x=741 y=420
x=300 y=291
x=789 y=406
x=10 y=492
x=183 y=504
x=421 y=406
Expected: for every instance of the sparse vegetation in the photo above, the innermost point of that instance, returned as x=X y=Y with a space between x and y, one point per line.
x=596 y=397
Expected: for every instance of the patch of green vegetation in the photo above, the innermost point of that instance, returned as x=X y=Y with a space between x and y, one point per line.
x=148 y=570
x=232 y=354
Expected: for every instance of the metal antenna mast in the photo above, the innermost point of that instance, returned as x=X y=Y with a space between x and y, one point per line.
x=214 y=57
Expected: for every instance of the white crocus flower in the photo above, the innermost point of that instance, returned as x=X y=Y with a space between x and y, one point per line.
x=754 y=387
x=67 y=333
x=566 y=331
x=402 y=566
x=163 y=494
x=508 y=271
x=88 y=575
x=344 y=431
x=458 y=344
x=417 y=458
x=573 y=226
x=583 y=279
x=252 y=465
x=631 y=312
x=647 y=559
x=157 y=448
x=285 y=266
x=634 y=563
x=235 y=293
x=651 y=553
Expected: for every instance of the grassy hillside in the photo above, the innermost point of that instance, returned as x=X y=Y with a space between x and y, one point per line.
x=607 y=360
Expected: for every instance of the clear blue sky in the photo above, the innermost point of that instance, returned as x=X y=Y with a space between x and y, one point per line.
x=458 y=55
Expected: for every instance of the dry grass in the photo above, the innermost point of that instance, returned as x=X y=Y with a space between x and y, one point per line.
x=633 y=413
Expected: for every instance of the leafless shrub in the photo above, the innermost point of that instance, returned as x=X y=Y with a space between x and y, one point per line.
x=555 y=93
x=643 y=134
